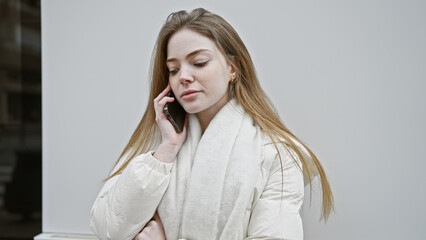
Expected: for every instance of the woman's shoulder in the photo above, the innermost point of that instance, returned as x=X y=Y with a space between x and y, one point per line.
x=274 y=154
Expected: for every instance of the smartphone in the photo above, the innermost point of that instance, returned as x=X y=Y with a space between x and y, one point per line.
x=175 y=113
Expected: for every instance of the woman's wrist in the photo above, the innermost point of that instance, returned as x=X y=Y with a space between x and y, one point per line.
x=166 y=152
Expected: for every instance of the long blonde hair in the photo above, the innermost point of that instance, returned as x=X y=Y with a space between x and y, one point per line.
x=245 y=89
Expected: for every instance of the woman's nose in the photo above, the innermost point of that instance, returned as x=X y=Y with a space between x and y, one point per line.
x=185 y=76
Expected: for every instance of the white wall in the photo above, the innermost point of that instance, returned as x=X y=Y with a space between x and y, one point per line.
x=348 y=78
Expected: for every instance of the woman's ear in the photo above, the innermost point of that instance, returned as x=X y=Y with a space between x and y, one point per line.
x=233 y=71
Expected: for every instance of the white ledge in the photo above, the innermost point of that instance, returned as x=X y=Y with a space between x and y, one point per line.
x=63 y=236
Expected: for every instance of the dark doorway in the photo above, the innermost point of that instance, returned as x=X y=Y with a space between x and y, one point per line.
x=20 y=119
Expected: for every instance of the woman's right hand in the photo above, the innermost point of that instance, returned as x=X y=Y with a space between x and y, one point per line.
x=171 y=141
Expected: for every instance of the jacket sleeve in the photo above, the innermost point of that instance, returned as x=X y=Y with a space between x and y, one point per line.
x=275 y=215
x=128 y=201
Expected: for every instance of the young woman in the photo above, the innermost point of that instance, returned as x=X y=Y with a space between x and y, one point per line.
x=234 y=172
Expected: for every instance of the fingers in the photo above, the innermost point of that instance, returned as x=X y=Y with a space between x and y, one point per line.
x=165 y=100
x=164 y=92
x=153 y=230
x=161 y=100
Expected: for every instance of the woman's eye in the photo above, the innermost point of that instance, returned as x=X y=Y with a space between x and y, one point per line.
x=173 y=71
x=201 y=64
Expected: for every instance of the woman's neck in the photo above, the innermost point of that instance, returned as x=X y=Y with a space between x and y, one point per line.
x=206 y=116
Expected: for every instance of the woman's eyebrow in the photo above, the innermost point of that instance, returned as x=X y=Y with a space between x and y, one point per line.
x=190 y=54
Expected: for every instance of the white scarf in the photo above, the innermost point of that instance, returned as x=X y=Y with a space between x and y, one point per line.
x=213 y=177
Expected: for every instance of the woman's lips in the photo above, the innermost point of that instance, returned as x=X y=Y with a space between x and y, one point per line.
x=189 y=94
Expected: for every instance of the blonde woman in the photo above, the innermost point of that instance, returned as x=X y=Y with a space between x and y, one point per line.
x=234 y=172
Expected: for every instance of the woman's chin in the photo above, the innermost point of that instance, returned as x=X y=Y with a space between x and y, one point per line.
x=192 y=109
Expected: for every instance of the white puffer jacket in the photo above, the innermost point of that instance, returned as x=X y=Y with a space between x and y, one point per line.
x=129 y=200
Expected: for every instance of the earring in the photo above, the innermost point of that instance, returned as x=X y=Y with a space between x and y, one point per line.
x=232 y=78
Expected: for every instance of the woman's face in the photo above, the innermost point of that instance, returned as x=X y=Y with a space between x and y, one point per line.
x=199 y=73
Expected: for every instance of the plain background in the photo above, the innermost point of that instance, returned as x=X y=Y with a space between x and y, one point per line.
x=347 y=77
